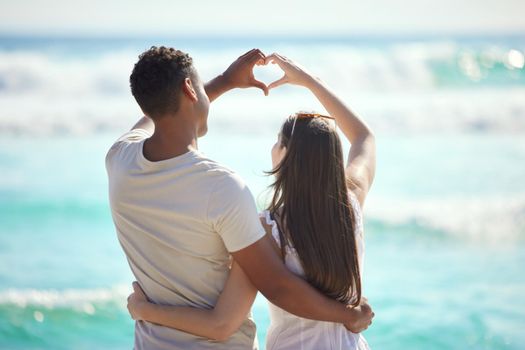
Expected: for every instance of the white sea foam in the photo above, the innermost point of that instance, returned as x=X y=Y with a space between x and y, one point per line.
x=397 y=87
x=83 y=300
x=445 y=111
x=35 y=73
x=488 y=219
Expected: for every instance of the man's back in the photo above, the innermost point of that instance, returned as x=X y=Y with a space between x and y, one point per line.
x=177 y=220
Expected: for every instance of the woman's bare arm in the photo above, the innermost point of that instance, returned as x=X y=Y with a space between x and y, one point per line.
x=361 y=164
x=218 y=323
x=360 y=169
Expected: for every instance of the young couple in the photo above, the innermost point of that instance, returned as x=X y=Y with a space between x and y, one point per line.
x=194 y=240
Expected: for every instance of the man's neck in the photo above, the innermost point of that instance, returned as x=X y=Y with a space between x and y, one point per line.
x=170 y=139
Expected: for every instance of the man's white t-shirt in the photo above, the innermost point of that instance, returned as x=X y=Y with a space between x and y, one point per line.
x=177 y=220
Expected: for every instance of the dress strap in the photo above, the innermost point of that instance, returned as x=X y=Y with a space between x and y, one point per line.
x=275 y=231
x=271 y=222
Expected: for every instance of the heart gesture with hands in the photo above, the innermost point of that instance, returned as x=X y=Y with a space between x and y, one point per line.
x=240 y=73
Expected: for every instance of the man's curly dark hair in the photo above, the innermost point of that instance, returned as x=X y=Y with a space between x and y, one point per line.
x=157 y=78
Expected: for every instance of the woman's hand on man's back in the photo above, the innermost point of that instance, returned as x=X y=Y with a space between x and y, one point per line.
x=362 y=319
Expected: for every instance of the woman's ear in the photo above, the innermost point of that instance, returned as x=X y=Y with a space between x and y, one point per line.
x=189 y=90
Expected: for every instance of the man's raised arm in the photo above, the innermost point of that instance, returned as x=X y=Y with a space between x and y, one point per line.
x=238 y=75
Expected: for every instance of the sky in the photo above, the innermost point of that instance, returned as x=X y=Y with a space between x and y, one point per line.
x=268 y=17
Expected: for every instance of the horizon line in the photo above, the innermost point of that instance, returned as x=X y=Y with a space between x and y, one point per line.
x=225 y=36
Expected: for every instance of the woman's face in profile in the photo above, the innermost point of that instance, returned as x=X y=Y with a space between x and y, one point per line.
x=278 y=152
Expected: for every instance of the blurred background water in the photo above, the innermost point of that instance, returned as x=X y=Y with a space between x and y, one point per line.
x=445 y=220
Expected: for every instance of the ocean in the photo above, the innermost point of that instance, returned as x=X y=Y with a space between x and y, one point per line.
x=444 y=221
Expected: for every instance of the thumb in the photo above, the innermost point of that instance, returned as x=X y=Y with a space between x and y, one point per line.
x=136 y=287
x=259 y=84
x=279 y=82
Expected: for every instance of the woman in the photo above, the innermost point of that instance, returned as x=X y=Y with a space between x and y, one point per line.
x=314 y=221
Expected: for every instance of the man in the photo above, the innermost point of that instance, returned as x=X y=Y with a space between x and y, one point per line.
x=179 y=215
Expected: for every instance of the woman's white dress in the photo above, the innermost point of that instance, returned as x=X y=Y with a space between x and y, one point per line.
x=289 y=332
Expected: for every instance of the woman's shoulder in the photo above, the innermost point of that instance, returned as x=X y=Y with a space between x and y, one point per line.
x=272 y=226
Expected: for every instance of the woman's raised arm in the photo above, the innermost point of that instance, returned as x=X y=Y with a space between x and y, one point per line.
x=360 y=168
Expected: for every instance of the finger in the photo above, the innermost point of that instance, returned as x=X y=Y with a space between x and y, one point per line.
x=272 y=61
x=279 y=82
x=256 y=57
x=137 y=289
x=271 y=58
x=260 y=52
x=275 y=58
x=251 y=54
x=261 y=62
x=246 y=53
x=261 y=85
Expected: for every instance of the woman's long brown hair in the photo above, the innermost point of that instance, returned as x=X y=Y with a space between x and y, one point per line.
x=312 y=207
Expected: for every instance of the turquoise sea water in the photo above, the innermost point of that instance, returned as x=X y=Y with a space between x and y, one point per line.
x=444 y=223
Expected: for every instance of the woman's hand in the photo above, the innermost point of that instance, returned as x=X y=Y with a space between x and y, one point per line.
x=363 y=316
x=137 y=303
x=293 y=73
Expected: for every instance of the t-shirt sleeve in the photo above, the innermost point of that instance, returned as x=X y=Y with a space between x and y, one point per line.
x=233 y=214
x=134 y=135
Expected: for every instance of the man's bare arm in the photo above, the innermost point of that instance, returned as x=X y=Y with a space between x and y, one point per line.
x=238 y=75
x=293 y=294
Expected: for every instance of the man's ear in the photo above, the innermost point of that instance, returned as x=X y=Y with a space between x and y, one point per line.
x=189 y=90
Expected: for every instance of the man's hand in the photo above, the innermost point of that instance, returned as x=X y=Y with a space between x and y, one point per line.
x=292 y=293
x=240 y=73
x=363 y=316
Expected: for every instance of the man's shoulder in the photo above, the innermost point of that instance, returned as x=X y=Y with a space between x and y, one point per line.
x=132 y=137
x=220 y=173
